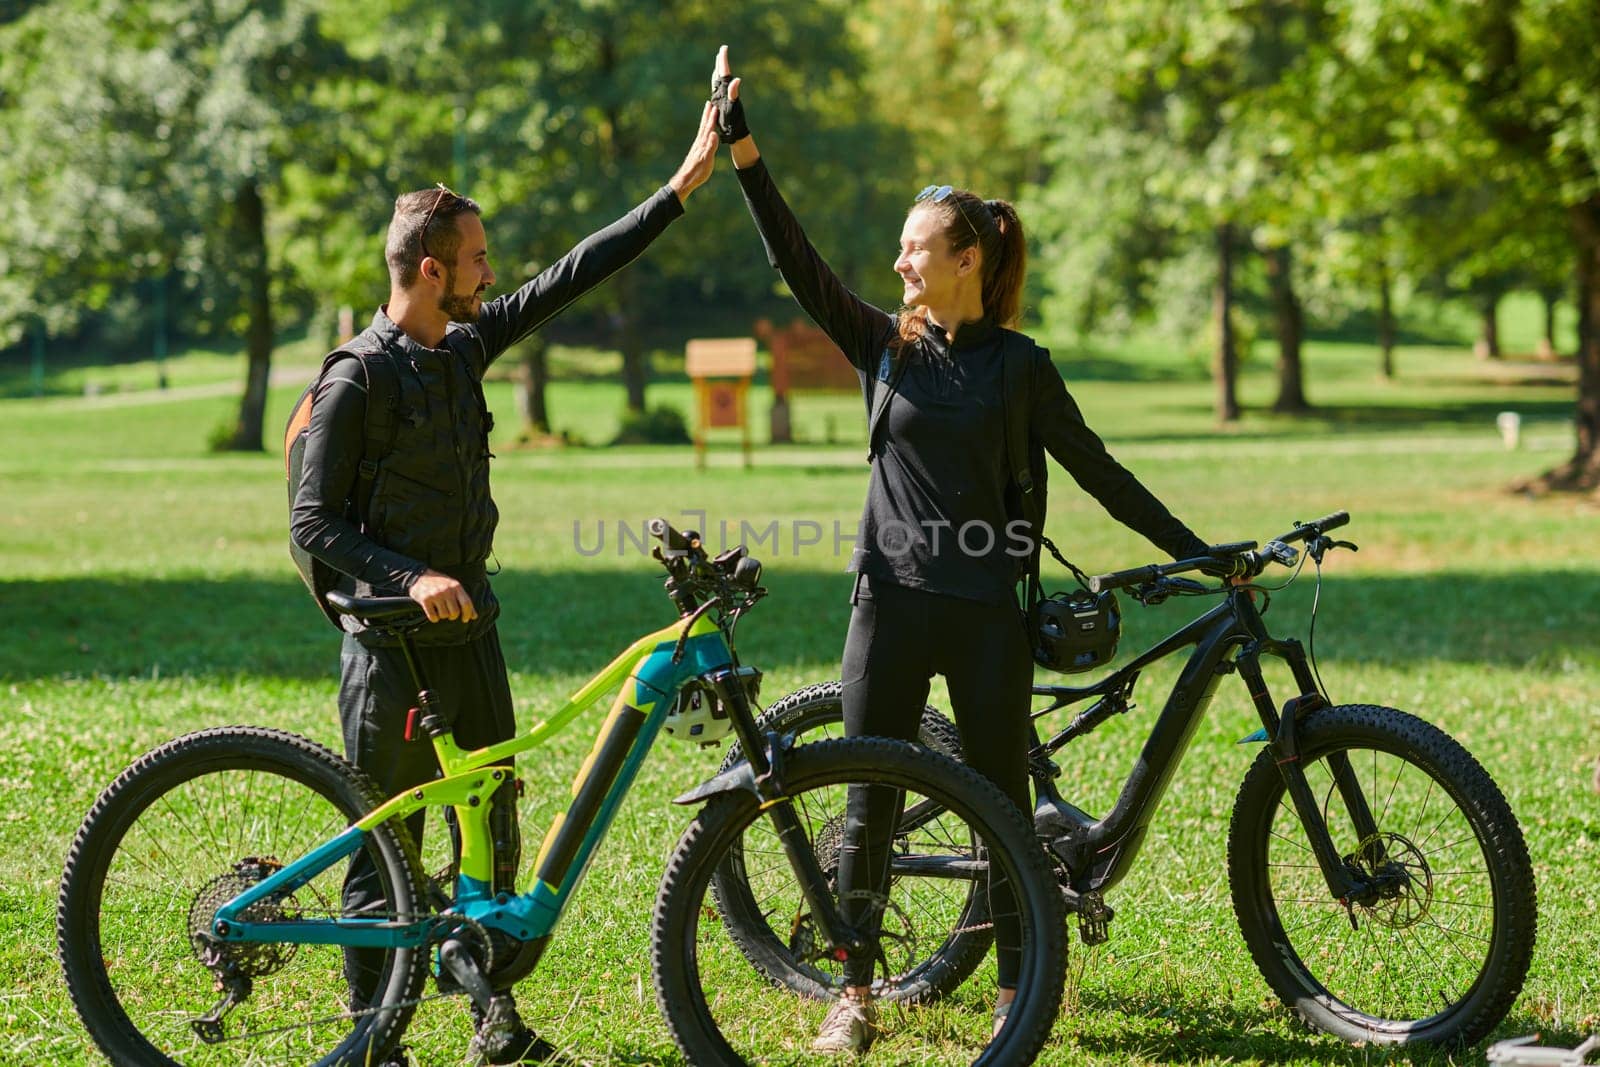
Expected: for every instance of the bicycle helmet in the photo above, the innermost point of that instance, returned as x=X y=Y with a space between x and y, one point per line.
x=697 y=715
x=1076 y=631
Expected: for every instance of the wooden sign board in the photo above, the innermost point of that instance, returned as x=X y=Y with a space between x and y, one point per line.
x=723 y=406
x=804 y=358
x=720 y=357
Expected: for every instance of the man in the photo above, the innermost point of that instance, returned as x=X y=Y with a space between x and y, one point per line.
x=419 y=519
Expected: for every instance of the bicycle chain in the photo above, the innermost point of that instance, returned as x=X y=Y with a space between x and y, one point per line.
x=457 y=921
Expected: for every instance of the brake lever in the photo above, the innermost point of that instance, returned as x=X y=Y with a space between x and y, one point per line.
x=1322 y=544
x=1151 y=593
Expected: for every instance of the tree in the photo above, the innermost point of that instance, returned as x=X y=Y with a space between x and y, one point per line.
x=1519 y=83
x=181 y=120
x=1139 y=109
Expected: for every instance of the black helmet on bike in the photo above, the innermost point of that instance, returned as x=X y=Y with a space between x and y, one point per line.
x=1076 y=631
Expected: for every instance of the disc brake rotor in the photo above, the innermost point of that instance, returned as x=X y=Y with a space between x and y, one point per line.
x=1404 y=881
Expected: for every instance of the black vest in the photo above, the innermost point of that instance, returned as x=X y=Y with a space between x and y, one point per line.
x=429 y=495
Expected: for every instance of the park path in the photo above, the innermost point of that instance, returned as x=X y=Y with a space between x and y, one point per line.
x=293 y=375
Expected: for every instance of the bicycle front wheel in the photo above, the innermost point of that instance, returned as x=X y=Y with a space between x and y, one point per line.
x=812 y=714
x=1438 y=952
x=722 y=1010
x=187 y=827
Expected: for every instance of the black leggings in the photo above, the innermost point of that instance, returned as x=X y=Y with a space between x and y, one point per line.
x=899 y=638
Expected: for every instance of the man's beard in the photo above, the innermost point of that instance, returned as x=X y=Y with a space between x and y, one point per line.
x=457 y=307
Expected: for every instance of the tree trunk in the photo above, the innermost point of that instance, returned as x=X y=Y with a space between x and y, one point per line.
x=1290 y=324
x=616 y=149
x=1385 y=323
x=1547 y=343
x=248 y=434
x=628 y=339
x=1225 y=364
x=1582 y=471
x=1488 y=346
x=531 y=383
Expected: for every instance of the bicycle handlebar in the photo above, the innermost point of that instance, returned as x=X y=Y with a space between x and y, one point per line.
x=1255 y=559
x=670 y=539
x=693 y=575
x=1315 y=526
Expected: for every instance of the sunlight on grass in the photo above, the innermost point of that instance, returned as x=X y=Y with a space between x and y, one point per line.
x=149 y=593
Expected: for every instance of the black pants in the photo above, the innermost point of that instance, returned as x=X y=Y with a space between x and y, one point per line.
x=899 y=638
x=376 y=692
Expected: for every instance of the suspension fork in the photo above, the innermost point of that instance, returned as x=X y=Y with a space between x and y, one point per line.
x=1344 y=775
x=765 y=756
x=1283 y=744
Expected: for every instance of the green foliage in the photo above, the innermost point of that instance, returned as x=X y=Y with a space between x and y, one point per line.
x=659 y=425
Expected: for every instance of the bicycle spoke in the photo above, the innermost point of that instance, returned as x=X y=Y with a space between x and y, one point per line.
x=1429 y=873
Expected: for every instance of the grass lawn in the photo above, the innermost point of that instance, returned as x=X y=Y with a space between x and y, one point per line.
x=149 y=593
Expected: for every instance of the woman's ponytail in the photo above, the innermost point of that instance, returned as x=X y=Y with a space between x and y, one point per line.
x=1006 y=269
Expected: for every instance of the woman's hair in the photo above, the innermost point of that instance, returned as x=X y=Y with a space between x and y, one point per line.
x=994 y=227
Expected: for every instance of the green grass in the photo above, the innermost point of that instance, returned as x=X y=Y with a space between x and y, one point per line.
x=149 y=593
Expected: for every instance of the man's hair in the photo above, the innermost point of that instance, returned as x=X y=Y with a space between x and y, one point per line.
x=403 y=250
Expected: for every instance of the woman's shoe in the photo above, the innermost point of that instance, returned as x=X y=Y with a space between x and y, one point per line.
x=1000 y=1013
x=850 y=1026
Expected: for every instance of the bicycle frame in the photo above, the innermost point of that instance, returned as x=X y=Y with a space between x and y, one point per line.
x=1101 y=852
x=650 y=676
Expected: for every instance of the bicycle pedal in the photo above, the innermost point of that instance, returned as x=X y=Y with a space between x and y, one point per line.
x=1094 y=919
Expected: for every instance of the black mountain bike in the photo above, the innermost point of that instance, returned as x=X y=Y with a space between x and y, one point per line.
x=1378 y=875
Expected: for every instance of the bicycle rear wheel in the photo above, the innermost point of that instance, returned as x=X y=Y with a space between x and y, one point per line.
x=184 y=829
x=1441 y=951
x=721 y=1010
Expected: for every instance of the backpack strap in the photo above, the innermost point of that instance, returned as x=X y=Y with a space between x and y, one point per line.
x=1025 y=458
x=1016 y=399
x=384 y=411
x=382 y=425
x=891 y=368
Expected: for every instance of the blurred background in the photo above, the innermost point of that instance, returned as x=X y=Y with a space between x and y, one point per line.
x=1222 y=181
x=1290 y=256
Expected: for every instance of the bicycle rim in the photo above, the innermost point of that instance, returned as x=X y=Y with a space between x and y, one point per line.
x=1434 y=955
x=169 y=843
x=704 y=975
x=936 y=886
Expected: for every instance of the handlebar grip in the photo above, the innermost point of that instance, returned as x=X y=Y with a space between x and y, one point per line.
x=1318 y=526
x=1122 y=579
x=662 y=531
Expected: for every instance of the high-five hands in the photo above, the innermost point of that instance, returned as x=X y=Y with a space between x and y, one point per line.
x=702 y=157
x=731 y=126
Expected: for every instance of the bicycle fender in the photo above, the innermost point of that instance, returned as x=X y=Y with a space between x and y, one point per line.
x=740 y=776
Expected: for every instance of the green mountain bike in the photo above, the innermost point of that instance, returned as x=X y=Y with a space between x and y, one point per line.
x=201 y=916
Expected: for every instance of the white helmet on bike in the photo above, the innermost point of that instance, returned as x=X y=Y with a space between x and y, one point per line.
x=697 y=715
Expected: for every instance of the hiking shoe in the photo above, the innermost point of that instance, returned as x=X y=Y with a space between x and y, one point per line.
x=849 y=1026
x=502 y=1037
x=396 y=1058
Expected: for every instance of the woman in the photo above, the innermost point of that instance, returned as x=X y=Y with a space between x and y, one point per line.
x=936 y=558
